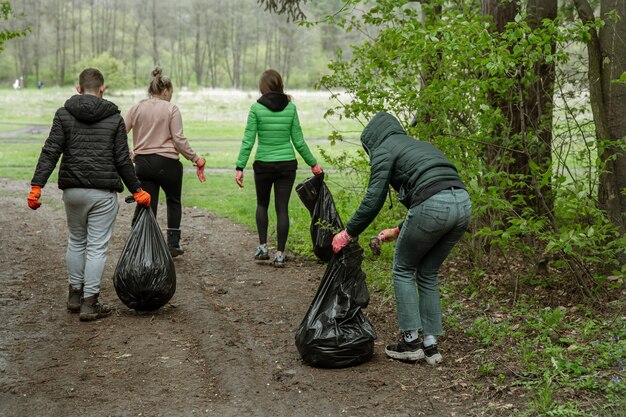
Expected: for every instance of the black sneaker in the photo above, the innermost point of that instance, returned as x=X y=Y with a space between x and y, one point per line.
x=405 y=351
x=261 y=254
x=432 y=355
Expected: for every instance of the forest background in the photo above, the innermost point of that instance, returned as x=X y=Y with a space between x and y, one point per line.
x=526 y=97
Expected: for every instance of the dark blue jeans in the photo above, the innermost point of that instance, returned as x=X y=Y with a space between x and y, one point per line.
x=427 y=237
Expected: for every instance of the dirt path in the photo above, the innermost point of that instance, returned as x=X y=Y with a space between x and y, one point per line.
x=223 y=347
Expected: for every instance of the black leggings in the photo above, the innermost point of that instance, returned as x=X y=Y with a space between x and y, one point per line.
x=280 y=175
x=155 y=172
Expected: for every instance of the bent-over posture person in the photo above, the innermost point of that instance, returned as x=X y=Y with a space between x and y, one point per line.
x=439 y=210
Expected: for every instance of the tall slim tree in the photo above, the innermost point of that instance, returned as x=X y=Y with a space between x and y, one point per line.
x=607 y=62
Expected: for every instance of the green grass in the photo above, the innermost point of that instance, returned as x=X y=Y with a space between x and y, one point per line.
x=207 y=114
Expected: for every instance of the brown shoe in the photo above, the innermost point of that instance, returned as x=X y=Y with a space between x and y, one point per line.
x=73 y=299
x=91 y=309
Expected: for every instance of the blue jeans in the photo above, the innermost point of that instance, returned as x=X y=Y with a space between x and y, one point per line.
x=427 y=237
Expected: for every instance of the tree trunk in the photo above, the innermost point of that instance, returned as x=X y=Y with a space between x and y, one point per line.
x=607 y=61
x=154 y=32
x=528 y=138
x=198 y=51
x=538 y=109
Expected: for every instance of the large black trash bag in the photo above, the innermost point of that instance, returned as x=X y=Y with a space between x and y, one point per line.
x=145 y=276
x=334 y=332
x=325 y=221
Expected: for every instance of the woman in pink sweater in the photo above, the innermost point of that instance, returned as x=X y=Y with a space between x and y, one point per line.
x=158 y=141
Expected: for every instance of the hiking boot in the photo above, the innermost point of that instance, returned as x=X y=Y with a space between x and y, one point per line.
x=91 y=309
x=261 y=253
x=279 y=261
x=405 y=351
x=432 y=355
x=173 y=242
x=73 y=299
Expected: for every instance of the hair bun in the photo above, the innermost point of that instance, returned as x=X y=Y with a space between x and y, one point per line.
x=156 y=72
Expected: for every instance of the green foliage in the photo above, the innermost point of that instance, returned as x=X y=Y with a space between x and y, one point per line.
x=446 y=72
x=556 y=351
x=6 y=14
x=116 y=75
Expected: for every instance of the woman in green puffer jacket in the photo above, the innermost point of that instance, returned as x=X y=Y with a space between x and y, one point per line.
x=273 y=118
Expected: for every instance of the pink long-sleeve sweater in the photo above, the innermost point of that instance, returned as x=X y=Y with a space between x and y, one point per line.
x=158 y=129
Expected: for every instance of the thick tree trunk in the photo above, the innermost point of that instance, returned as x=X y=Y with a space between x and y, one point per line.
x=528 y=139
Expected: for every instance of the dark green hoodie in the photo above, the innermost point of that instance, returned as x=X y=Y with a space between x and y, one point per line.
x=409 y=165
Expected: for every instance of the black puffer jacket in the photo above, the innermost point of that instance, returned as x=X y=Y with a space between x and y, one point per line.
x=90 y=133
x=410 y=166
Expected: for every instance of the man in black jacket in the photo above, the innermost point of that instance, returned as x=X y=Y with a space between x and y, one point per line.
x=90 y=134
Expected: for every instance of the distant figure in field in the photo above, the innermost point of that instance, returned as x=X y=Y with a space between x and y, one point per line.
x=158 y=140
x=274 y=119
x=90 y=134
x=16 y=84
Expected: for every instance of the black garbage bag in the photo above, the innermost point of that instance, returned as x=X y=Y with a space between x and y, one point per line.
x=325 y=221
x=334 y=332
x=145 y=276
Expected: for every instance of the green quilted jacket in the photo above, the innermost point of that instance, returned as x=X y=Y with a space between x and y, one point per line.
x=274 y=119
x=407 y=164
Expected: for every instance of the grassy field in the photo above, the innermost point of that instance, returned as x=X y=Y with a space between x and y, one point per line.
x=214 y=121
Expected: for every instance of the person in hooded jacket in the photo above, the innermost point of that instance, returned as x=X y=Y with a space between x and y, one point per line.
x=274 y=119
x=90 y=134
x=439 y=210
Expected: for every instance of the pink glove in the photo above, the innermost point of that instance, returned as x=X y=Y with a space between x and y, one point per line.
x=200 y=169
x=239 y=178
x=389 y=235
x=340 y=240
x=316 y=169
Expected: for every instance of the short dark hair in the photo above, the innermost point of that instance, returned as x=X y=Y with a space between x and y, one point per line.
x=91 y=79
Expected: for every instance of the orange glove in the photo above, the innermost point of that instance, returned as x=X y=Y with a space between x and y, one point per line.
x=389 y=235
x=142 y=198
x=316 y=169
x=340 y=240
x=33 y=197
x=239 y=178
x=200 y=169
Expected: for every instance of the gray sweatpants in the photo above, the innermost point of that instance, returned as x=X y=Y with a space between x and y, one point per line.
x=91 y=216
